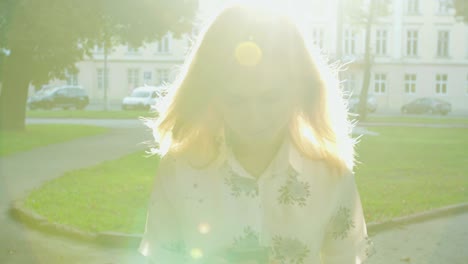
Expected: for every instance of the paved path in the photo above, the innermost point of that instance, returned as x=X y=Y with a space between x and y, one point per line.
x=21 y=172
x=438 y=241
x=113 y=123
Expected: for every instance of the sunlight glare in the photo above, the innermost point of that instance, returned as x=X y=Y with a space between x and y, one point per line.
x=196 y=253
x=204 y=228
x=248 y=53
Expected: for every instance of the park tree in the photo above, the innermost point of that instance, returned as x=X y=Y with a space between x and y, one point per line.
x=43 y=40
x=364 y=14
x=461 y=9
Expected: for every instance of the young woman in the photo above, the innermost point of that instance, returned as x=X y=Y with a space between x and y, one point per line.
x=257 y=158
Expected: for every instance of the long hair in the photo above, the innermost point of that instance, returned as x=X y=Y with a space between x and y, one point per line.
x=188 y=121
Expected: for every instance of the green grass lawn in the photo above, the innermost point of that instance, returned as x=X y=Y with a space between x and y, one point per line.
x=409 y=170
x=403 y=171
x=110 y=196
x=41 y=135
x=87 y=114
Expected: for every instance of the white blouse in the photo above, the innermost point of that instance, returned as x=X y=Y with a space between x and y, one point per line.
x=294 y=212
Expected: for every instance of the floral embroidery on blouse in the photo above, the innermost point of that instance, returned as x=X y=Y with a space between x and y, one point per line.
x=240 y=185
x=176 y=247
x=247 y=240
x=294 y=191
x=341 y=223
x=369 y=247
x=289 y=250
x=247 y=247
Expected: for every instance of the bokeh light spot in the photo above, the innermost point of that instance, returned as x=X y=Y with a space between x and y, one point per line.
x=196 y=253
x=248 y=53
x=204 y=228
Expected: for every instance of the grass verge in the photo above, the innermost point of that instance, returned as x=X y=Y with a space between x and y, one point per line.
x=41 y=135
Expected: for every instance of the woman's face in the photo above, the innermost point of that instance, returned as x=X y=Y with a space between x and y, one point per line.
x=256 y=114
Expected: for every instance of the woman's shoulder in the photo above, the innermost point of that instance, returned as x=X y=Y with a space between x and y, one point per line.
x=321 y=169
x=171 y=161
x=166 y=168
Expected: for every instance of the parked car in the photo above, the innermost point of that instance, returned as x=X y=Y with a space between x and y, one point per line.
x=63 y=96
x=427 y=105
x=142 y=98
x=353 y=103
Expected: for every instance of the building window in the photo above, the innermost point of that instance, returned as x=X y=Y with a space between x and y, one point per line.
x=317 y=36
x=380 y=83
x=443 y=43
x=72 y=79
x=381 y=42
x=163 y=76
x=349 y=42
x=412 y=43
x=444 y=6
x=133 y=77
x=410 y=83
x=132 y=50
x=147 y=77
x=100 y=78
x=412 y=7
x=441 y=84
x=164 y=45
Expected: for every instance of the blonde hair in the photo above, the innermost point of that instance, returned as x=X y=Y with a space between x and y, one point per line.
x=188 y=123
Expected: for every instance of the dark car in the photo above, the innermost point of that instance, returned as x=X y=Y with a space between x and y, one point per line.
x=427 y=105
x=63 y=96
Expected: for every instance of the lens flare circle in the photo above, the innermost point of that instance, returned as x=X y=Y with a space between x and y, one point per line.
x=248 y=53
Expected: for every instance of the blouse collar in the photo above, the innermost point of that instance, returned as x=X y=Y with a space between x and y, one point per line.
x=287 y=159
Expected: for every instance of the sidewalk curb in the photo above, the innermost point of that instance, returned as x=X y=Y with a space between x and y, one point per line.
x=375 y=227
x=116 y=239
x=36 y=221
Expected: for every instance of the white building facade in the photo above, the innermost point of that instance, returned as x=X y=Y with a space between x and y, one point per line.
x=128 y=68
x=419 y=50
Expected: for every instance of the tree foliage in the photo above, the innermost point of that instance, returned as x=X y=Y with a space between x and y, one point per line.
x=461 y=8
x=41 y=40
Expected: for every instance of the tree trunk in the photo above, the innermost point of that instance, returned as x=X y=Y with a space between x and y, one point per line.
x=362 y=107
x=14 y=92
x=339 y=29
